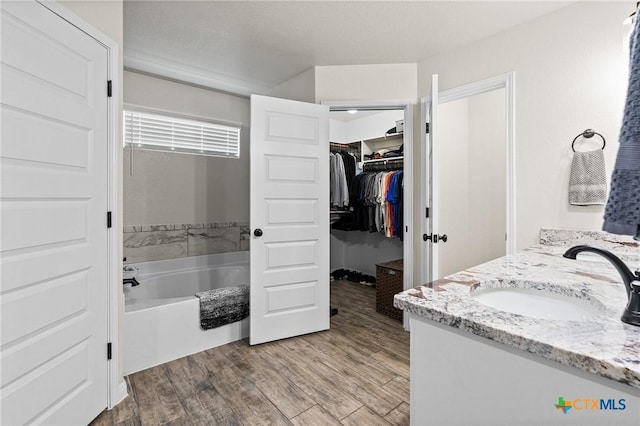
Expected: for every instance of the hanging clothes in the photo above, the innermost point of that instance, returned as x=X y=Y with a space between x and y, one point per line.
x=332 y=177
x=376 y=199
x=394 y=197
x=343 y=192
x=341 y=171
x=349 y=161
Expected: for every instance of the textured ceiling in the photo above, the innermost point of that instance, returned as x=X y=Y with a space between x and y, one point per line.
x=251 y=46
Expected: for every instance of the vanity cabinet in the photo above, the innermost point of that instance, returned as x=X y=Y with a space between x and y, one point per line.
x=458 y=378
x=483 y=364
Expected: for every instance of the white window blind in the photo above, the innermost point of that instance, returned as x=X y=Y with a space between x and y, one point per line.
x=163 y=132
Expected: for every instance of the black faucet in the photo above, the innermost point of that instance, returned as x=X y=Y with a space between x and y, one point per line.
x=131 y=281
x=631 y=314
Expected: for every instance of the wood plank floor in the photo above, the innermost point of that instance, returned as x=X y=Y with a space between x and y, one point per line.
x=356 y=373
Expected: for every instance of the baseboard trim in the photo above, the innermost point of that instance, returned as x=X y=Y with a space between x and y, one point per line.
x=120 y=394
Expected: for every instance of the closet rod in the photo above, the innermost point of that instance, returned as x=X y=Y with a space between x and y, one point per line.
x=342 y=147
x=384 y=165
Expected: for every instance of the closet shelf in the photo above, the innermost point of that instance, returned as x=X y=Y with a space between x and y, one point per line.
x=380 y=160
x=389 y=137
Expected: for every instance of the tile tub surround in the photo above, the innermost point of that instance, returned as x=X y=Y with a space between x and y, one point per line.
x=603 y=346
x=144 y=243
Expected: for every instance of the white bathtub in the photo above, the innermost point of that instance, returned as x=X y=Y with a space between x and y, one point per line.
x=162 y=315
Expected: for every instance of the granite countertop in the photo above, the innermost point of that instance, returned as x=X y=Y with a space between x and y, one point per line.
x=603 y=345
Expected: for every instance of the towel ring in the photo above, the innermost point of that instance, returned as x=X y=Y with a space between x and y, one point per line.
x=589 y=133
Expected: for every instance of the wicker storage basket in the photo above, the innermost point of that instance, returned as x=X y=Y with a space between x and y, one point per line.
x=388 y=283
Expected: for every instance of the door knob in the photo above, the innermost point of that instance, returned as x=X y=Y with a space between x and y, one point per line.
x=257 y=232
x=435 y=238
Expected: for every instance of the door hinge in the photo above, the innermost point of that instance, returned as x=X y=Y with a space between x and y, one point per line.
x=427 y=128
x=108 y=350
x=109 y=89
x=108 y=219
x=427 y=212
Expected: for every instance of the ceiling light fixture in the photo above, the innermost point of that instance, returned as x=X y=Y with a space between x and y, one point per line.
x=352 y=111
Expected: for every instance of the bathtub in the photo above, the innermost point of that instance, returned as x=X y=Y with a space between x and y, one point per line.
x=162 y=315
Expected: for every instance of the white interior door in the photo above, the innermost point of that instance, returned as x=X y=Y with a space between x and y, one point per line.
x=469 y=175
x=429 y=117
x=289 y=218
x=53 y=289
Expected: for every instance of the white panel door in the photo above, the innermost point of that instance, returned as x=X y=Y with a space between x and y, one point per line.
x=289 y=218
x=469 y=175
x=53 y=158
x=430 y=116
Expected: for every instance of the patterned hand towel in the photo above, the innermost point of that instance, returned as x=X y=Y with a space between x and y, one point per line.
x=223 y=306
x=588 y=180
x=622 y=214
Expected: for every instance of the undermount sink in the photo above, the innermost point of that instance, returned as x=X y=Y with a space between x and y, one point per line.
x=536 y=302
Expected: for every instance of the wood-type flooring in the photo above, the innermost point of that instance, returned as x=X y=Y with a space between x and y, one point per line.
x=356 y=373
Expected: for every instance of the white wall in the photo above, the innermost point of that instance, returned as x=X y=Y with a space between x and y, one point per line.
x=454 y=189
x=366 y=82
x=105 y=16
x=373 y=126
x=337 y=250
x=362 y=250
x=487 y=177
x=169 y=188
x=338 y=130
x=366 y=127
x=351 y=82
x=570 y=75
x=472 y=176
x=300 y=88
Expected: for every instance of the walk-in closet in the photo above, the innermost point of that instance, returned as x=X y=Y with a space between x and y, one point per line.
x=367 y=202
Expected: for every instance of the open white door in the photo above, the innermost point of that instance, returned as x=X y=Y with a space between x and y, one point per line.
x=53 y=287
x=469 y=175
x=431 y=238
x=289 y=219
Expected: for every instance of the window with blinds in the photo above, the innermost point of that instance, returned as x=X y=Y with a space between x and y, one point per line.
x=163 y=132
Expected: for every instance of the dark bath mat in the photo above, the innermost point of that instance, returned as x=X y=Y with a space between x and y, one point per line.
x=223 y=306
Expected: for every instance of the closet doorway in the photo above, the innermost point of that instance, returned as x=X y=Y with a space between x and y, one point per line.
x=368 y=233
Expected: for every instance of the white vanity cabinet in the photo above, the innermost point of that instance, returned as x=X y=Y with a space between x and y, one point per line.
x=458 y=378
x=475 y=364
